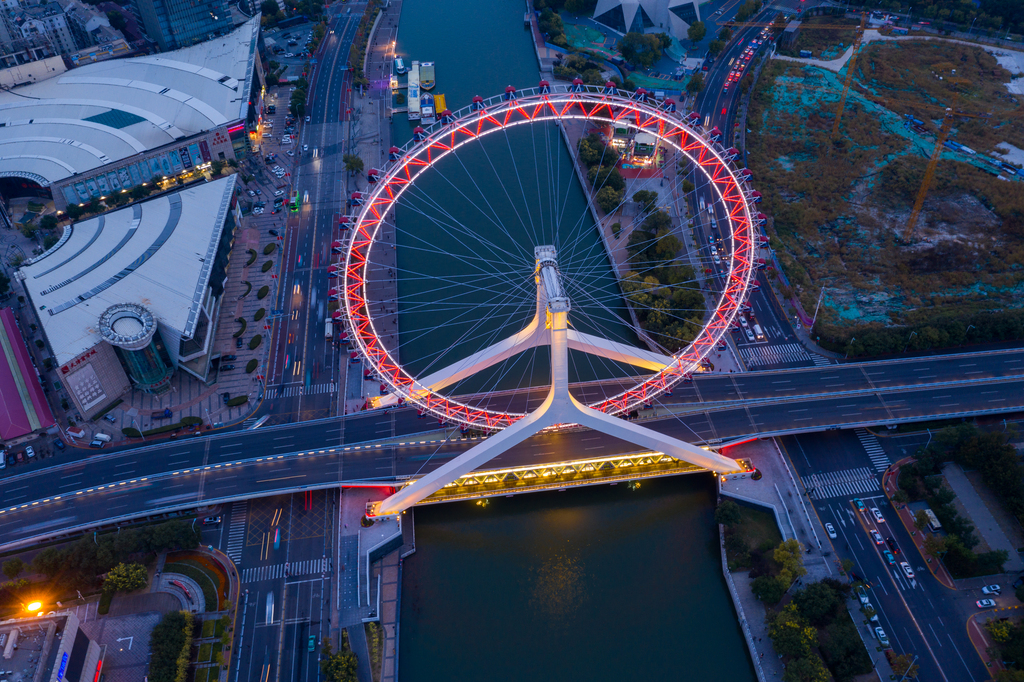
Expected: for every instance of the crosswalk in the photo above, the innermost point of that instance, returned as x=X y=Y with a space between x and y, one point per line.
x=756 y=356
x=842 y=483
x=236 y=530
x=875 y=452
x=312 y=390
x=276 y=571
x=819 y=360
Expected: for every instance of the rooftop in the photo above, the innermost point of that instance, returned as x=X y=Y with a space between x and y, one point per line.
x=106 y=111
x=23 y=407
x=158 y=253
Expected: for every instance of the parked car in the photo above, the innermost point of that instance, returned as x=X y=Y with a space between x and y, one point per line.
x=30 y=451
x=96 y=444
x=238 y=342
x=226 y=368
x=878 y=515
x=110 y=418
x=883 y=639
x=830 y=529
x=273 y=233
x=228 y=358
x=225 y=397
x=59 y=444
x=3 y=459
x=985 y=603
x=991 y=589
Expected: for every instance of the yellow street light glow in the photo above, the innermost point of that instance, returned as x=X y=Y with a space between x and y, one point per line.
x=34 y=606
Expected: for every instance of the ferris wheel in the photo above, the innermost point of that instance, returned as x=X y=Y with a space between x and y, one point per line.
x=525 y=303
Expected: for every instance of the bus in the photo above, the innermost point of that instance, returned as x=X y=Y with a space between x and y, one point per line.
x=329 y=328
x=293 y=201
x=933 y=522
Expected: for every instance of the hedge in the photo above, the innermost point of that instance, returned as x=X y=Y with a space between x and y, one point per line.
x=191 y=421
x=259 y=314
x=104 y=605
x=251 y=366
x=242 y=330
x=170 y=647
x=269 y=248
x=252 y=257
x=187 y=421
x=201 y=578
x=238 y=400
x=262 y=293
x=131 y=432
x=266 y=266
x=248 y=288
x=255 y=342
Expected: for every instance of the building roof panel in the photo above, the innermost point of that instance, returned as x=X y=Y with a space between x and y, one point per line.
x=23 y=406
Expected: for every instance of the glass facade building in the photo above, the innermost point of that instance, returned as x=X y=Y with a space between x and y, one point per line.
x=179 y=23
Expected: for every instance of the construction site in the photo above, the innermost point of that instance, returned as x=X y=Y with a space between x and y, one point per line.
x=892 y=169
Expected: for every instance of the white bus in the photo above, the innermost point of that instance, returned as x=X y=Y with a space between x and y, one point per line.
x=329 y=329
x=933 y=522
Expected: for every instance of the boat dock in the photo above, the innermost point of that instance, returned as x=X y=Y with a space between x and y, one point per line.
x=413 y=96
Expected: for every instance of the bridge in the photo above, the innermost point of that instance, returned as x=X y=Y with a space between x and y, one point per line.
x=387 y=449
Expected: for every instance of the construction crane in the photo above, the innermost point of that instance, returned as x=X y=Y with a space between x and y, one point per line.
x=849 y=75
x=929 y=173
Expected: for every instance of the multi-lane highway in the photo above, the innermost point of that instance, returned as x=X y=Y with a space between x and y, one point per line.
x=239 y=465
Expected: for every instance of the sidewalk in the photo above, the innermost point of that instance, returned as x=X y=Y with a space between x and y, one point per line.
x=982 y=518
x=890 y=486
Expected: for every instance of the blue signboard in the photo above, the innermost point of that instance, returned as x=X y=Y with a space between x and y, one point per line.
x=63 y=667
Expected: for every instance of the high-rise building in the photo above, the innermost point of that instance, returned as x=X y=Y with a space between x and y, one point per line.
x=173 y=24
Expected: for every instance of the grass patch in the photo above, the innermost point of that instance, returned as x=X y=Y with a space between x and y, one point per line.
x=197 y=573
x=252 y=257
x=755 y=530
x=220 y=627
x=205 y=650
x=251 y=366
x=209 y=627
x=241 y=331
x=238 y=400
x=262 y=293
x=259 y=314
x=255 y=342
x=104 y=605
x=266 y=266
x=108 y=408
x=131 y=432
x=269 y=248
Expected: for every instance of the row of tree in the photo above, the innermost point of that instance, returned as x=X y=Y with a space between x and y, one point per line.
x=170 y=647
x=602 y=174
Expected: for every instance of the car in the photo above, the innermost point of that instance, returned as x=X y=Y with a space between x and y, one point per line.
x=305 y=148
x=985 y=603
x=907 y=571
x=226 y=368
x=290 y=152
x=238 y=342
x=273 y=233
x=211 y=520
x=228 y=358
x=3 y=459
x=289 y=54
x=307 y=119
x=743 y=322
x=830 y=529
x=889 y=557
x=259 y=192
x=877 y=537
x=724 y=109
x=859 y=503
x=749 y=334
x=878 y=515
x=96 y=444
x=892 y=545
x=250 y=192
x=29 y=451
x=725 y=88
x=883 y=639
x=278 y=193
x=991 y=589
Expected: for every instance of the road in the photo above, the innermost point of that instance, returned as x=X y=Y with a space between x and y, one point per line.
x=919 y=615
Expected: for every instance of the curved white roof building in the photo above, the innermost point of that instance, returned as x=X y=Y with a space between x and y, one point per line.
x=639 y=16
x=102 y=113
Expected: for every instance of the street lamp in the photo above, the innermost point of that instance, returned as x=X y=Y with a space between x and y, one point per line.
x=849 y=346
x=972 y=27
x=912 y=335
x=34 y=606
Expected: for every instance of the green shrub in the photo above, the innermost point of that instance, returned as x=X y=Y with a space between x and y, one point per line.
x=251 y=366
x=104 y=605
x=191 y=421
x=269 y=248
x=242 y=330
x=170 y=647
x=131 y=432
x=252 y=257
x=255 y=342
x=259 y=314
x=238 y=400
x=206 y=583
x=248 y=288
x=266 y=266
x=262 y=293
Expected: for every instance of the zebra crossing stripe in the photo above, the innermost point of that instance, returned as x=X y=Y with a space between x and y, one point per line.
x=276 y=571
x=840 y=483
x=875 y=452
x=236 y=531
x=312 y=390
x=820 y=361
x=773 y=355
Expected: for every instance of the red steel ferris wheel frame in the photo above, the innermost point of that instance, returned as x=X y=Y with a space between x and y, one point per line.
x=536 y=105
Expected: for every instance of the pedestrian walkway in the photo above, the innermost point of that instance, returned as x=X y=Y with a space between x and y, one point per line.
x=296 y=569
x=299 y=389
x=982 y=518
x=236 y=530
x=875 y=452
x=758 y=356
x=820 y=361
x=842 y=483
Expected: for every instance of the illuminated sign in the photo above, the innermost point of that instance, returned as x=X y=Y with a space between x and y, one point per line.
x=63 y=667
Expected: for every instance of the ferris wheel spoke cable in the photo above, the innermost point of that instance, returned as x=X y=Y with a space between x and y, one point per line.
x=537 y=237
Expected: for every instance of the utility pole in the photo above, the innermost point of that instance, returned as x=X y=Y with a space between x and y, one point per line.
x=816 y=307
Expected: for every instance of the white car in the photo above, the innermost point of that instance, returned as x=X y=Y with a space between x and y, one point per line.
x=289 y=54
x=985 y=603
x=877 y=538
x=278 y=192
x=305 y=148
x=883 y=639
x=290 y=152
x=907 y=571
x=878 y=515
x=991 y=589
x=830 y=529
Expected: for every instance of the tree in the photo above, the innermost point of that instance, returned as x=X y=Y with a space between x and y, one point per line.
x=695 y=84
x=126 y=578
x=725 y=34
x=791 y=635
x=48 y=222
x=767 y=589
x=920 y=519
x=807 y=669
x=715 y=47
x=903 y=665
x=338 y=667
x=13 y=567
x=728 y=512
x=5 y=283
x=687 y=187
x=117 y=21
x=640 y=48
x=818 y=603
x=269 y=8
x=1011 y=675
x=608 y=198
x=789 y=556
x=696 y=32
x=353 y=164
x=647 y=199
x=1001 y=630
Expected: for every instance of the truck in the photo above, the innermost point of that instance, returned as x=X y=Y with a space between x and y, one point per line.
x=933 y=522
x=806 y=54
